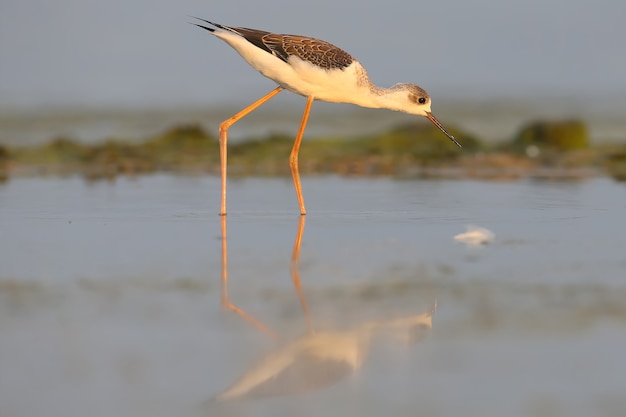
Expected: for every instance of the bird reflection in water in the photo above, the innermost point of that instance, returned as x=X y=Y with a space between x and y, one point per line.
x=318 y=359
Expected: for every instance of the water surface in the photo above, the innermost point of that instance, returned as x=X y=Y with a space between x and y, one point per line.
x=110 y=291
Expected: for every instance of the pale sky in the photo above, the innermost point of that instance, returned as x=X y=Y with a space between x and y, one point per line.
x=144 y=53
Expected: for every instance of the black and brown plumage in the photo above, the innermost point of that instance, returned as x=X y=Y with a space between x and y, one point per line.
x=316 y=70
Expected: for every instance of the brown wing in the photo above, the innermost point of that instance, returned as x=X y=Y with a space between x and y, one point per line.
x=315 y=51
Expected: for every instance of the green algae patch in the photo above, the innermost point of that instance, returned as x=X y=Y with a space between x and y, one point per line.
x=419 y=141
x=60 y=150
x=415 y=150
x=182 y=148
x=615 y=165
x=554 y=136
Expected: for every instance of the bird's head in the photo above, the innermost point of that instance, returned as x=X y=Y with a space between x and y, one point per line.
x=412 y=329
x=418 y=102
x=406 y=330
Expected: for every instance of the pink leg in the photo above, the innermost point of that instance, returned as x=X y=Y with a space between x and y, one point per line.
x=293 y=157
x=295 y=272
x=224 y=137
x=226 y=303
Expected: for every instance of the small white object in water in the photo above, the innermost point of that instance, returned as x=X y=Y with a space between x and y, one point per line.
x=475 y=236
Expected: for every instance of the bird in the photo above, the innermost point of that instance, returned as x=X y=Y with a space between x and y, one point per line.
x=317 y=70
x=321 y=358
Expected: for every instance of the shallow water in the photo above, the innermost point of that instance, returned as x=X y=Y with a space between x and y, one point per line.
x=110 y=294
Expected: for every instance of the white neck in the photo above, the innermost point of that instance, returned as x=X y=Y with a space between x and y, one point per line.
x=373 y=96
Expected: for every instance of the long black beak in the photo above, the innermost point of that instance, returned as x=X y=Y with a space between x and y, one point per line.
x=433 y=119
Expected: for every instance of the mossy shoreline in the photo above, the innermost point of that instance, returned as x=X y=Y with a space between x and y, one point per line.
x=548 y=150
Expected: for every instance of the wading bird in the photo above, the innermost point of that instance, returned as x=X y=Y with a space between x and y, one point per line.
x=316 y=70
x=322 y=358
x=319 y=358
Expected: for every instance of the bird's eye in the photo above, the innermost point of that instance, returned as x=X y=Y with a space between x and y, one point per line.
x=422 y=100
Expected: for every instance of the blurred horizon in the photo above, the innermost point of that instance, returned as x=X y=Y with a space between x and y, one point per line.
x=492 y=121
x=93 y=71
